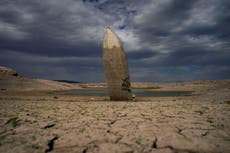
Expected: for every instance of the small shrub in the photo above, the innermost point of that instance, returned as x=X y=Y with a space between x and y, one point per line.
x=124 y=107
x=138 y=141
x=227 y=102
x=35 y=146
x=210 y=120
x=13 y=121
x=28 y=121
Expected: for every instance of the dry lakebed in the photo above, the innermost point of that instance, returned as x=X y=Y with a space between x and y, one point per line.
x=55 y=121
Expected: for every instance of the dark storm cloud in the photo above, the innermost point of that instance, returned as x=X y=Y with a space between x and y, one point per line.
x=51 y=28
x=42 y=46
x=190 y=34
x=218 y=28
x=197 y=56
x=73 y=68
x=140 y=54
x=161 y=19
x=165 y=40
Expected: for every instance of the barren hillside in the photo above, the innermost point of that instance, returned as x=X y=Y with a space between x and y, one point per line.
x=11 y=80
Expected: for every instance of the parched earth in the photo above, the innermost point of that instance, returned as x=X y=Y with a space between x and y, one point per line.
x=39 y=122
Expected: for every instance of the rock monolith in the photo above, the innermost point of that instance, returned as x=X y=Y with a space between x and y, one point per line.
x=116 y=67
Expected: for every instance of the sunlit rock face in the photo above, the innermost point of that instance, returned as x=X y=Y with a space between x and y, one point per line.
x=115 y=67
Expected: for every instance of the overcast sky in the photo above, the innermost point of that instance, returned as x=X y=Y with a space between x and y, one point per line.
x=165 y=40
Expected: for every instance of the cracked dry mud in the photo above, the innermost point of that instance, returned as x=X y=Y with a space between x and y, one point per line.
x=199 y=123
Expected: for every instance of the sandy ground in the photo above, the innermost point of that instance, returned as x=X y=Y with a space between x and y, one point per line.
x=37 y=121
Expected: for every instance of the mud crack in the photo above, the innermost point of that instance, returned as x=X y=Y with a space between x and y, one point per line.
x=180 y=130
x=51 y=144
x=154 y=144
x=177 y=150
x=84 y=150
x=49 y=126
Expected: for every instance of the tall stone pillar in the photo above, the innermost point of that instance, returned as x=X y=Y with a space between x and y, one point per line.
x=116 y=67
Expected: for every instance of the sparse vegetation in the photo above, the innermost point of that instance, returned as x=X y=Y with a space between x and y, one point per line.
x=210 y=120
x=227 y=138
x=227 y=102
x=35 y=146
x=13 y=121
x=2 y=138
x=124 y=107
x=33 y=137
x=138 y=141
x=28 y=121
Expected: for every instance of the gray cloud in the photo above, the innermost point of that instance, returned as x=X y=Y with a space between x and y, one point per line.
x=167 y=40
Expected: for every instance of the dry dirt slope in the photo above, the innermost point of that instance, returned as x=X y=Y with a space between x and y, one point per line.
x=11 y=80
